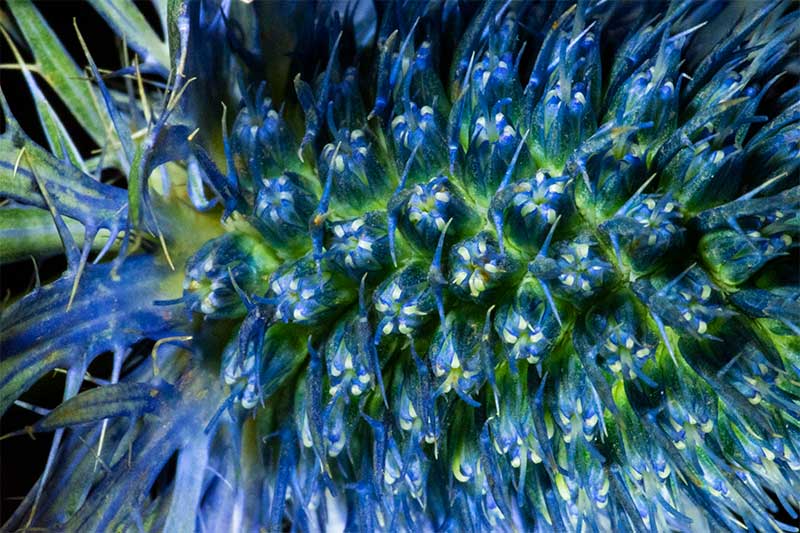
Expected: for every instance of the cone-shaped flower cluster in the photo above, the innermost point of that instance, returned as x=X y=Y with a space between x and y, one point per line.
x=523 y=266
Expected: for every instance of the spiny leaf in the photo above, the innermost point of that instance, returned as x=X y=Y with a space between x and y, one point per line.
x=127 y=21
x=58 y=137
x=39 y=335
x=59 y=69
x=120 y=496
x=120 y=125
x=29 y=231
x=76 y=195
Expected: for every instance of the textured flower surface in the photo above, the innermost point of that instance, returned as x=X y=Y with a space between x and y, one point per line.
x=524 y=266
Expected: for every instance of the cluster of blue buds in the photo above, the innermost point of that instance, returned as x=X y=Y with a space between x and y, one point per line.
x=300 y=296
x=404 y=302
x=282 y=209
x=455 y=358
x=576 y=271
x=525 y=211
x=742 y=236
x=500 y=266
x=261 y=142
x=359 y=245
x=478 y=268
x=528 y=326
x=220 y=269
x=423 y=211
x=689 y=302
x=358 y=175
x=644 y=230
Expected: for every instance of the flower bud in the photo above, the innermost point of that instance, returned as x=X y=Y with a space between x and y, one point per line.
x=359 y=177
x=644 y=232
x=349 y=368
x=689 y=303
x=359 y=245
x=478 y=269
x=422 y=211
x=732 y=257
x=577 y=269
x=283 y=206
x=528 y=208
x=527 y=327
x=616 y=334
x=301 y=296
x=221 y=264
x=455 y=356
x=404 y=302
x=261 y=142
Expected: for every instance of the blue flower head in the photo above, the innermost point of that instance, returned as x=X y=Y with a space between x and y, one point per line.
x=406 y=266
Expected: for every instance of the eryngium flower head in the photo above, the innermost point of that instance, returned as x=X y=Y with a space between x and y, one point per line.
x=525 y=266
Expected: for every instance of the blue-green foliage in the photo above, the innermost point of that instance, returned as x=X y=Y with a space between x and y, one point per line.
x=514 y=266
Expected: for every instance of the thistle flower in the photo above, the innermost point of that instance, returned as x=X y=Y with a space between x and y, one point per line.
x=447 y=266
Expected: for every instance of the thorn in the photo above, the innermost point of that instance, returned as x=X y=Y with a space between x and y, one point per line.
x=635 y=195
x=175 y=97
x=754 y=192
x=662 y=330
x=467 y=74
x=122 y=130
x=17 y=433
x=687 y=32
x=321 y=214
x=549 y=237
x=140 y=87
x=30 y=407
x=500 y=12
x=70 y=249
x=36 y=274
x=161 y=239
x=166 y=251
x=226 y=404
x=86 y=377
x=87 y=246
x=435 y=273
x=519 y=56
x=392 y=222
x=487 y=347
x=677 y=278
x=791 y=325
x=549 y=296
x=71 y=388
x=401 y=52
x=113 y=235
x=16 y=163
x=119 y=357
x=580 y=35
x=513 y=163
x=159 y=342
x=242 y=295
x=617 y=253
x=362 y=306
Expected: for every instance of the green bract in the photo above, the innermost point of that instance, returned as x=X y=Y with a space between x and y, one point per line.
x=447 y=266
